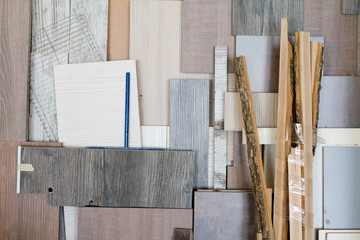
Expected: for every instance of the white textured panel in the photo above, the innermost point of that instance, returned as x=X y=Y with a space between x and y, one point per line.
x=220 y=79
x=220 y=159
x=155 y=136
x=211 y=157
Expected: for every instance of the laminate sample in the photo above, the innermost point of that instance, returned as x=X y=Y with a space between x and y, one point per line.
x=205 y=24
x=224 y=215
x=110 y=177
x=340 y=111
x=350 y=7
x=238 y=177
x=262 y=18
x=155 y=137
x=324 y=18
x=341 y=191
x=183 y=234
x=23 y=216
x=189 y=123
x=155 y=42
x=90 y=101
x=220 y=159
x=14 y=42
x=132 y=223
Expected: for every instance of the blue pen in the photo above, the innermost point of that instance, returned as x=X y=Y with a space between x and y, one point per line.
x=127 y=109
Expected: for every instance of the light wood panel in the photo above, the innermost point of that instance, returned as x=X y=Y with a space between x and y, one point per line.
x=155 y=137
x=342 y=234
x=23 y=216
x=14 y=65
x=220 y=159
x=350 y=7
x=189 y=123
x=263 y=17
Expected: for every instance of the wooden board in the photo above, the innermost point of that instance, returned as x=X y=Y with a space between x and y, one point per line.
x=339 y=234
x=238 y=177
x=155 y=42
x=224 y=215
x=23 y=216
x=350 y=7
x=14 y=42
x=110 y=177
x=183 y=234
x=189 y=126
x=324 y=18
x=90 y=101
x=132 y=223
x=220 y=159
x=262 y=18
x=155 y=137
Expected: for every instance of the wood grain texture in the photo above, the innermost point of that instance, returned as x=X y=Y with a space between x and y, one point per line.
x=205 y=24
x=238 y=177
x=23 y=216
x=235 y=219
x=14 y=48
x=90 y=101
x=324 y=18
x=189 y=123
x=155 y=42
x=220 y=81
x=316 y=51
x=155 y=137
x=220 y=159
x=119 y=30
x=350 y=7
x=132 y=223
x=110 y=177
x=262 y=18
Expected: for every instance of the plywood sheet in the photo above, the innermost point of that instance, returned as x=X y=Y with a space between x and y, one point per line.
x=350 y=7
x=23 y=216
x=189 y=123
x=205 y=24
x=14 y=48
x=263 y=17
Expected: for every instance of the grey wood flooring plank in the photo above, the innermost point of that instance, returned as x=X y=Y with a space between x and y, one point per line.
x=262 y=17
x=350 y=7
x=189 y=123
x=110 y=177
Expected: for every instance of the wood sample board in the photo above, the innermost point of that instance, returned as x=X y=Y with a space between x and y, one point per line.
x=350 y=7
x=109 y=177
x=339 y=234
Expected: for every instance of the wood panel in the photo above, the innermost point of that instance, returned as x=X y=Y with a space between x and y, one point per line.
x=183 y=234
x=110 y=177
x=263 y=17
x=155 y=137
x=189 y=123
x=132 y=223
x=324 y=18
x=238 y=177
x=339 y=234
x=14 y=42
x=350 y=7
x=224 y=215
x=220 y=159
x=23 y=216
x=155 y=42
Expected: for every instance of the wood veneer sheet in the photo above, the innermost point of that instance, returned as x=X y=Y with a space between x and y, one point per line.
x=90 y=101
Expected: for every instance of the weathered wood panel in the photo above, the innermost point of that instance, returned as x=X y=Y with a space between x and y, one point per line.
x=110 y=177
x=350 y=7
x=189 y=123
x=183 y=234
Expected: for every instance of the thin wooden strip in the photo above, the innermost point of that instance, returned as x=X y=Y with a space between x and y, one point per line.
x=220 y=159
x=220 y=79
x=350 y=7
x=254 y=153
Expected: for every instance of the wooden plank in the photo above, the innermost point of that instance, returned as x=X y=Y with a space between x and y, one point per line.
x=155 y=137
x=263 y=17
x=238 y=177
x=154 y=49
x=255 y=159
x=316 y=51
x=205 y=24
x=23 y=216
x=183 y=234
x=220 y=159
x=224 y=215
x=119 y=30
x=102 y=104
x=94 y=177
x=132 y=223
x=350 y=7
x=14 y=42
x=189 y=126
x=324 y=18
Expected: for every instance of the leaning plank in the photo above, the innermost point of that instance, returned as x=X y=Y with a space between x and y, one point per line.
x=350 y=7
x=109 y=177
x=254 y=153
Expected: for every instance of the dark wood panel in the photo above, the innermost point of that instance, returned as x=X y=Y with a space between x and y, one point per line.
x=23 y=216
x=189 y=123
x=110 y=177
x=263 y=18
x=350 y=7
x=14 y=59
x=183 y=234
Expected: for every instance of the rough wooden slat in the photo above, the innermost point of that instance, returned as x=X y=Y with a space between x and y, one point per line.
x=316 y=50
x=110 y=177
x=263 y=17
x=189 y=123
x=350 y=7
x=14 y=59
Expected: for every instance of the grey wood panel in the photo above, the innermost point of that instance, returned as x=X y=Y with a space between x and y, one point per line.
x=350 y=7
x=189 y=123
x=110 y=177
x=339 y=102
x=263 y=18
x=341 y=187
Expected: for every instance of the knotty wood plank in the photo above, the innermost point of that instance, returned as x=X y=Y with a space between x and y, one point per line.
x=23 y=216
x=324 y=18
x=110 y=177
x=189 y=126
x=153 y=50
x=205 y=24
x=262 y=17
x=14 y=42
x=350 y=7
x=132 y=223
